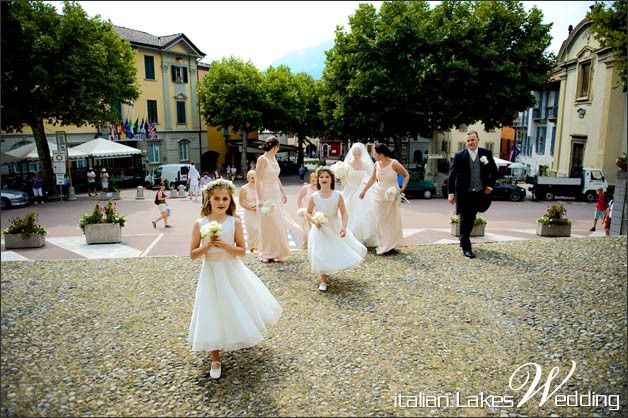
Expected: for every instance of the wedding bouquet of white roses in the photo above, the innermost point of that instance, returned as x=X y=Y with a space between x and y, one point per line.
x=267 y=207
x=341 y=169
x=301 y=212
x=392 y=194
x=319 y=217
x=211 y=229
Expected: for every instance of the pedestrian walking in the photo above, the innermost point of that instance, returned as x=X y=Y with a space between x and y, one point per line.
x=162 y=205
x=91 y=182
x=600 y=207
x=37 y=183
x=104 y=180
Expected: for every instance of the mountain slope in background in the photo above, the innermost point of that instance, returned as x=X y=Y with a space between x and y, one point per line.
x=307 y=60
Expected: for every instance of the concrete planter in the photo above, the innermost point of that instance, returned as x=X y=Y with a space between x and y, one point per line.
x=108 y=195
x=17 y=241
x=103 y=233
x=553 y=230
x=477 y=231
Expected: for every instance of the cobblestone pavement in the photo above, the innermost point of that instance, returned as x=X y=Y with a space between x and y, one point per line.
x=423 y=332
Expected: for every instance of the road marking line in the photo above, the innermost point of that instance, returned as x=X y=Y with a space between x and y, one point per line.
x=151 y=246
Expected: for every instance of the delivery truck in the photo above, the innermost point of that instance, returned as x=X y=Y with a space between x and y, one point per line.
x=583 y=186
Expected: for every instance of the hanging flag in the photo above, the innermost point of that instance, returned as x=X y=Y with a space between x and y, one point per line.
x=122 y=131
x=112 y=132
x=142 y=129
x=152 y=131
x=127 y=129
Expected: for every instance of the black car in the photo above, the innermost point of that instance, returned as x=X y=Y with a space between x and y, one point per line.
x=501 y=191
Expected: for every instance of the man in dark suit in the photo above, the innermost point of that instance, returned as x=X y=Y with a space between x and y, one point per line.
x=471 y=180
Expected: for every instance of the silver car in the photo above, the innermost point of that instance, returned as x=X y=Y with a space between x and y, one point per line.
x=11 y=198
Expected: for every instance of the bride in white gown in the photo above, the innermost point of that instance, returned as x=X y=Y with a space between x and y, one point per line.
x=361 y=214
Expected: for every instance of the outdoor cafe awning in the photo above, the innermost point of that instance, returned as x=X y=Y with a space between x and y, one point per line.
x=29 y=152
x=101 y=147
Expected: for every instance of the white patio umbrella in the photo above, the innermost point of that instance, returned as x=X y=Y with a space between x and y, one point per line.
x=29 y=152
x=501 y=163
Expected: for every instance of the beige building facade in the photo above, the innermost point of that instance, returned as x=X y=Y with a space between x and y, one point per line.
x=592 y=129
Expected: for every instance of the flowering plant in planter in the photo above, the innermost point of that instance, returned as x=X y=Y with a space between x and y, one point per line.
x=25 y=226
x=478 y=220
x=555 y=215
x=106 y=214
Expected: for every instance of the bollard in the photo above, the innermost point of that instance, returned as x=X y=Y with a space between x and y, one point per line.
x=71 y=194
x=182 y=191
x=140 y=193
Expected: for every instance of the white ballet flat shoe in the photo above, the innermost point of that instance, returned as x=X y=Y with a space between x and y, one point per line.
x=215 y=372
x=322 y=287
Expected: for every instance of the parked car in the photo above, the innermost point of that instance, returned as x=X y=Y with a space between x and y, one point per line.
x=501 y=191
x=505 y=191
x=12 y=198
x=417 y=187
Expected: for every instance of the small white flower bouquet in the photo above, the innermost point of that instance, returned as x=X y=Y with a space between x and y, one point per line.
x=211 y=229
x=392 y=194
x=484 y=160
x=319 y=217
x=267 y=207
x=301 y=212
x=341 y=169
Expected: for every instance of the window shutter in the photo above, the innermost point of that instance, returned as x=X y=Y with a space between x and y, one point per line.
x=174 y=73
x=185 y=75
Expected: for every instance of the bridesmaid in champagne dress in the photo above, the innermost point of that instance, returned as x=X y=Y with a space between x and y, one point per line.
x=273 y=226
x=303 y=199
x=387 y=210
x=248 y=201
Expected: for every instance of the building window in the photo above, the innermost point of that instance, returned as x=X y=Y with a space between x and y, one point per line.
x=584 y=80
x=152 y=110
x=179 y=74
x=461 y=146
x=153 y=153
x=184 y=151
x=553 y=141
x=490 y=146
x=149 y=67
x=181 y=112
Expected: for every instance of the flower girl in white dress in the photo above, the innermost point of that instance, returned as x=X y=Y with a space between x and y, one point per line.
x=232 y=307
x=331 y=246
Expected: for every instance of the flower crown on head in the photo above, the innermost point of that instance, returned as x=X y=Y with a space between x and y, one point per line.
x=219 y=183
x=324 y=168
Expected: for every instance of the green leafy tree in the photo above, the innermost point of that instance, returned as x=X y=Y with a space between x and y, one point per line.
x=610 y=28
x=62 y=69
x=231 y=96
x=409 y=69
x=292 y=104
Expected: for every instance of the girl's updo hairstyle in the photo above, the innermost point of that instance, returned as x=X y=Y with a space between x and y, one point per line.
x=383 y=149
x=270 y=143
x=326 y=169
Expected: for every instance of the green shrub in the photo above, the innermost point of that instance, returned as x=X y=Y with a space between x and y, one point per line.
x=478 y=220
x=102 y=215
x=26 y=226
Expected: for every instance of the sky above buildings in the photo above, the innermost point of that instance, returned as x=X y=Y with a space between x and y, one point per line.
x=265 y=31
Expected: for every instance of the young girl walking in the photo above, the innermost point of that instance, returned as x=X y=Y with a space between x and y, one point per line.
x=331 y=246
x=232 y=307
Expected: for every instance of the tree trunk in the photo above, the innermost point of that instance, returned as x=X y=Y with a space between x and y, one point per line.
x=398 y=148
x=49 y=184
x=300 y=150
x=245 y=146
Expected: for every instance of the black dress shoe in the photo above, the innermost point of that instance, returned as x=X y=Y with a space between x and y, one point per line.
x=469 y=253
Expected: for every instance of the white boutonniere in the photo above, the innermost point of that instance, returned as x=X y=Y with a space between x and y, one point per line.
x=484 y=160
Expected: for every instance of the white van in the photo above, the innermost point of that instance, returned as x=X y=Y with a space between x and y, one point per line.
x=175 y=173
